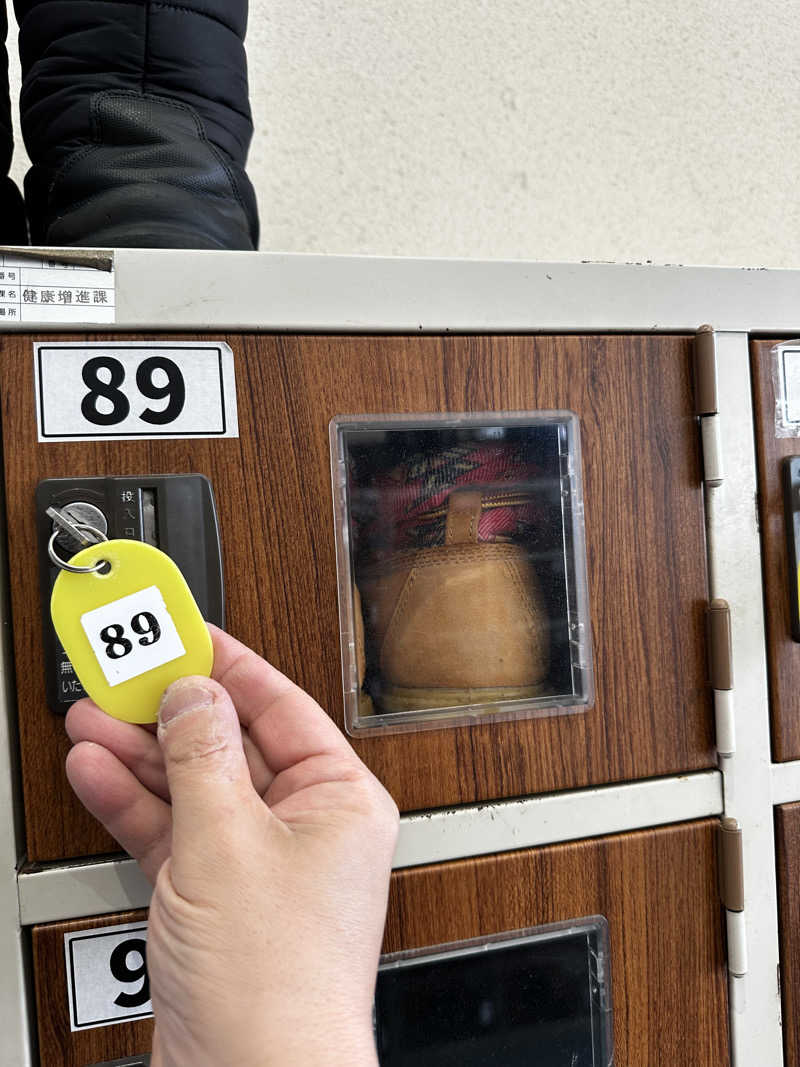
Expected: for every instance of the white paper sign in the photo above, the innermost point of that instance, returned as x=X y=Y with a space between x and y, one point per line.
x=132 y=635
x=134 y=389
x=107 y=979
x=37 y=289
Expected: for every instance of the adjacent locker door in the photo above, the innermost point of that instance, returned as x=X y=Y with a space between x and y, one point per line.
x=644 y=528
x=787 y=848
x=780 y=585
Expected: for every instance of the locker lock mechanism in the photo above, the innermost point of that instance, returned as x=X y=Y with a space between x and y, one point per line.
x=175 y=513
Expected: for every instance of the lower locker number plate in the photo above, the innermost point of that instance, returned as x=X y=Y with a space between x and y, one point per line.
x=107 y=979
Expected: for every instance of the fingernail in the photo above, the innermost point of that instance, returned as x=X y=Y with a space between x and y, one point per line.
x=179 y=698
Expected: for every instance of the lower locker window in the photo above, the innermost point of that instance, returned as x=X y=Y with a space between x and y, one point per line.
x=534 y=996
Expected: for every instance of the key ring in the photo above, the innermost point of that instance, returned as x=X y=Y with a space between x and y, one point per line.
x=59 y=562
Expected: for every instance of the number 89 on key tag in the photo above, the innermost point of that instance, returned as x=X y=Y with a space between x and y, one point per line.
x=129 y=624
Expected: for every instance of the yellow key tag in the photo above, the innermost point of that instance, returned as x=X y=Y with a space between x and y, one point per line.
x=131 y=631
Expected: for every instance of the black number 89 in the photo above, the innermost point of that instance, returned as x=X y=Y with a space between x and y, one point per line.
x=109 y=390
x=117 y=644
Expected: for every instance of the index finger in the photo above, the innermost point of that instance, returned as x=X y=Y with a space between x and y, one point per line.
x=287 y=725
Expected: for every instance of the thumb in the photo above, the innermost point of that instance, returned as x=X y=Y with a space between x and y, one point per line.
x=207 y=772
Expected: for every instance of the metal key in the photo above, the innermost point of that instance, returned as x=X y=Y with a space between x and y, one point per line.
x=76 y=527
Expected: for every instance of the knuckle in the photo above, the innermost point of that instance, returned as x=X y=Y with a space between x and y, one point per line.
x=198 y=750
x=375 y=803
x=156 y=842
x=196 y=740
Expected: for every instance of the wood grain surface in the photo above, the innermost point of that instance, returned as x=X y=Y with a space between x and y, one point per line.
x=644 y=532
x=58 y=1047
x=656 y=888
x=783 y=654
x=787 y=853
x=658 y=891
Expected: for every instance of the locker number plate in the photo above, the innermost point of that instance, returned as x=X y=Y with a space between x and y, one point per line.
x=135 y=389
x=107 y=979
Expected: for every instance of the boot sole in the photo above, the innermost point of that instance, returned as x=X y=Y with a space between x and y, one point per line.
x=400 y=698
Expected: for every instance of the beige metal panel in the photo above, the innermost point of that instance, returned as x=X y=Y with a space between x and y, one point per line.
x=735 y=576
x=192 y=290
x=16 y=1003
x=79 y=889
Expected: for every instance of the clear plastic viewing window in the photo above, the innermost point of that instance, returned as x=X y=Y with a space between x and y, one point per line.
x=462 y=570
x=539 y=996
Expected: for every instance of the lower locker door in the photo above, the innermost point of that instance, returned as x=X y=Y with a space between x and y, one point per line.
x=657 y=890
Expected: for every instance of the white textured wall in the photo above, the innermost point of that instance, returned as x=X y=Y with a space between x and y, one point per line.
x=666 y=130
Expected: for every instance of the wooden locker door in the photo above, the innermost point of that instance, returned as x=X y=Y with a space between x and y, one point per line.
x=783 y=654
x=644 y=530
x=787 y=849
x=656 y=888
x=58 y=1045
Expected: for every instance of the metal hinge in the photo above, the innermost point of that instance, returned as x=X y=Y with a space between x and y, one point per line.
x=705 y=404
x=720 y=673
x=731 y=891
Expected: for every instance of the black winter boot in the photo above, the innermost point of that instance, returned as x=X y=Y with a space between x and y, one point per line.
x=13 y=230
x=136 y=117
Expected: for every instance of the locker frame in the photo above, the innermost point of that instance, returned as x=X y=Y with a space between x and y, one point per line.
x=87 y=889
x=268 y=292
x=163 y=290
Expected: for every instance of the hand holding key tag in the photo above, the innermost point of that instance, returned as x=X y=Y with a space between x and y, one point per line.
x=129 y=624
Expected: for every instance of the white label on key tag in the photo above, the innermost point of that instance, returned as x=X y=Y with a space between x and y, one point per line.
x=132 y=635
x=107 y=975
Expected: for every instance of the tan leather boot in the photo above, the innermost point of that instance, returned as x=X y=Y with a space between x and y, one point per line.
x=462 y=623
